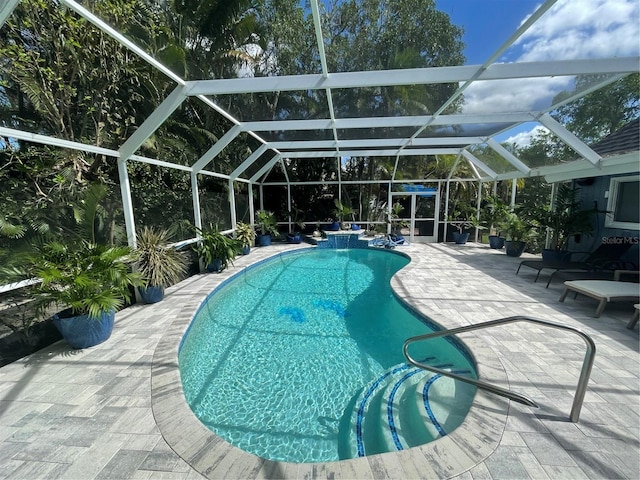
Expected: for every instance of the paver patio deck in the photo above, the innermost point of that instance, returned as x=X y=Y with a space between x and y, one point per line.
x=116 y=410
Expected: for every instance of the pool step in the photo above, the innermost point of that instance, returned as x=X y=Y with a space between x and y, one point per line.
x=404 y=407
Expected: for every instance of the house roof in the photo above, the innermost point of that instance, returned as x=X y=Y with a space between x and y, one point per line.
x=625 y=140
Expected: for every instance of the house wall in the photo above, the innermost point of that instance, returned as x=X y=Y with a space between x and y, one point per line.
x=593 y=196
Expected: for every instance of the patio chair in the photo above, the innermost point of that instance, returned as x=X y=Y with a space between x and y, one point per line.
x=607 y=257
x=565 y=275
x=603 y=290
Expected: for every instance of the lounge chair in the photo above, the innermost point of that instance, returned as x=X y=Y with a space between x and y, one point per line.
x=617 y=275
x=607 y=257
x=603 y=290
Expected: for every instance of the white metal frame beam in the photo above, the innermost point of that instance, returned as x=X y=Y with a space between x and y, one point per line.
x=372 y=153
x=511 y=158
x=375 y=142
x=6 y=9
x=153 y=122
x=473 y=160
x=249 y=160
x=570 y=139
x=415 y=76
x=389 y=122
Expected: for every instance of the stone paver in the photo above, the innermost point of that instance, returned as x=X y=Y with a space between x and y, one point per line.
x=117 y=411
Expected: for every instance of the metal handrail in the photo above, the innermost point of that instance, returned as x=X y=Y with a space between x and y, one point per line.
x=587 y=364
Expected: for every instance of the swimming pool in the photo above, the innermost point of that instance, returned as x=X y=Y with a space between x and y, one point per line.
x=300 y=359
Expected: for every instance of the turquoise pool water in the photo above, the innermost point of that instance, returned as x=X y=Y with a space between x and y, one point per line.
x=275 y=358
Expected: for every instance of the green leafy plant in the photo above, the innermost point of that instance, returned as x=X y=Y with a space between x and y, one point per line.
x=245 y=234
x=214 y=245
x=86 y=277
x=494 y=212
x=342 y=211
x=266 y=223
x=296 y=216
x=394 y=219
x=566 y=218
x=463 y=217
x=516 y=229
x=159 y=264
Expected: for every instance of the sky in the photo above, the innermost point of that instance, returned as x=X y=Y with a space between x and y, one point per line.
x=571 y=29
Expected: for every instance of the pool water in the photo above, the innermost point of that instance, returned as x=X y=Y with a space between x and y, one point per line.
x=275 y=358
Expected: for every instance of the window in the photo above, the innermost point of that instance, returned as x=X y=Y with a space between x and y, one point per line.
x=623 y=207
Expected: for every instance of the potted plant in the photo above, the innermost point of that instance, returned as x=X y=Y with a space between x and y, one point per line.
x=215 y=249
x=266 y=223
x=462 y=219
x=396 y=223
x=159 y=264
x=518 y=232
x=295 y=236
x=246 y=235
x=493 y=214
x=341 y=212
x=89 y=280
x=564 y=220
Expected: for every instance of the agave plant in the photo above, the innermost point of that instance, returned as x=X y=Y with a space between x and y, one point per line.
x=158 y=263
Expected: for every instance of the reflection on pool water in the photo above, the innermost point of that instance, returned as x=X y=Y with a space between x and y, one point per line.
x=288 y=360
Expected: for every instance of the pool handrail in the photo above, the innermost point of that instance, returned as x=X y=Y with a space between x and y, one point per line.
x=587 y=363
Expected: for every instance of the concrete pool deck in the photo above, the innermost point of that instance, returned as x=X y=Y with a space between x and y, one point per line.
x=116 y=411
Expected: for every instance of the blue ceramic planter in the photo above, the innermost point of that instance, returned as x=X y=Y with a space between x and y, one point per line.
x=83 y=331
x=264 y=240
x=496 y=242
x=514 y=249
x=151 y=294
x=460 y=238
x=294 y=238
x=215 y=266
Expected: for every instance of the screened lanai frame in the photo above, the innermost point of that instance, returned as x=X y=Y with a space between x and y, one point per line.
x=458 y=133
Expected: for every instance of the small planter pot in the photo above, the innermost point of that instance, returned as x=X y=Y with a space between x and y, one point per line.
x=83 y=331
x=246 y=250
x=215 y=266
x=263 y=240
x=151 y=294
x=514 y=249
x=460 y=238
x=294 y=238
x=496 y=242
x=334 y=227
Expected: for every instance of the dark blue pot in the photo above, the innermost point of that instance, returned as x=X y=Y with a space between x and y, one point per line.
x=514 y=249
x=460 y=238
x=151 y=294
x=264 y=240
x=334 y=227
x=294 y=238
x=83 y=331
x=215 y=266
x=246 y=250
x=496 y=242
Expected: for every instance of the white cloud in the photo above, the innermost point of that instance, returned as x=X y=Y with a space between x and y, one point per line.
x=523 y=139
x=523 y=94
x=571 y=29
x=574 y=29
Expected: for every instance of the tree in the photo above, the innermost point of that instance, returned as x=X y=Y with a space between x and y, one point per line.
x=602 y=112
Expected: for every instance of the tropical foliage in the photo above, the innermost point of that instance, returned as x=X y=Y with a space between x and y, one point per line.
x=158 y=262
x=61 y=76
